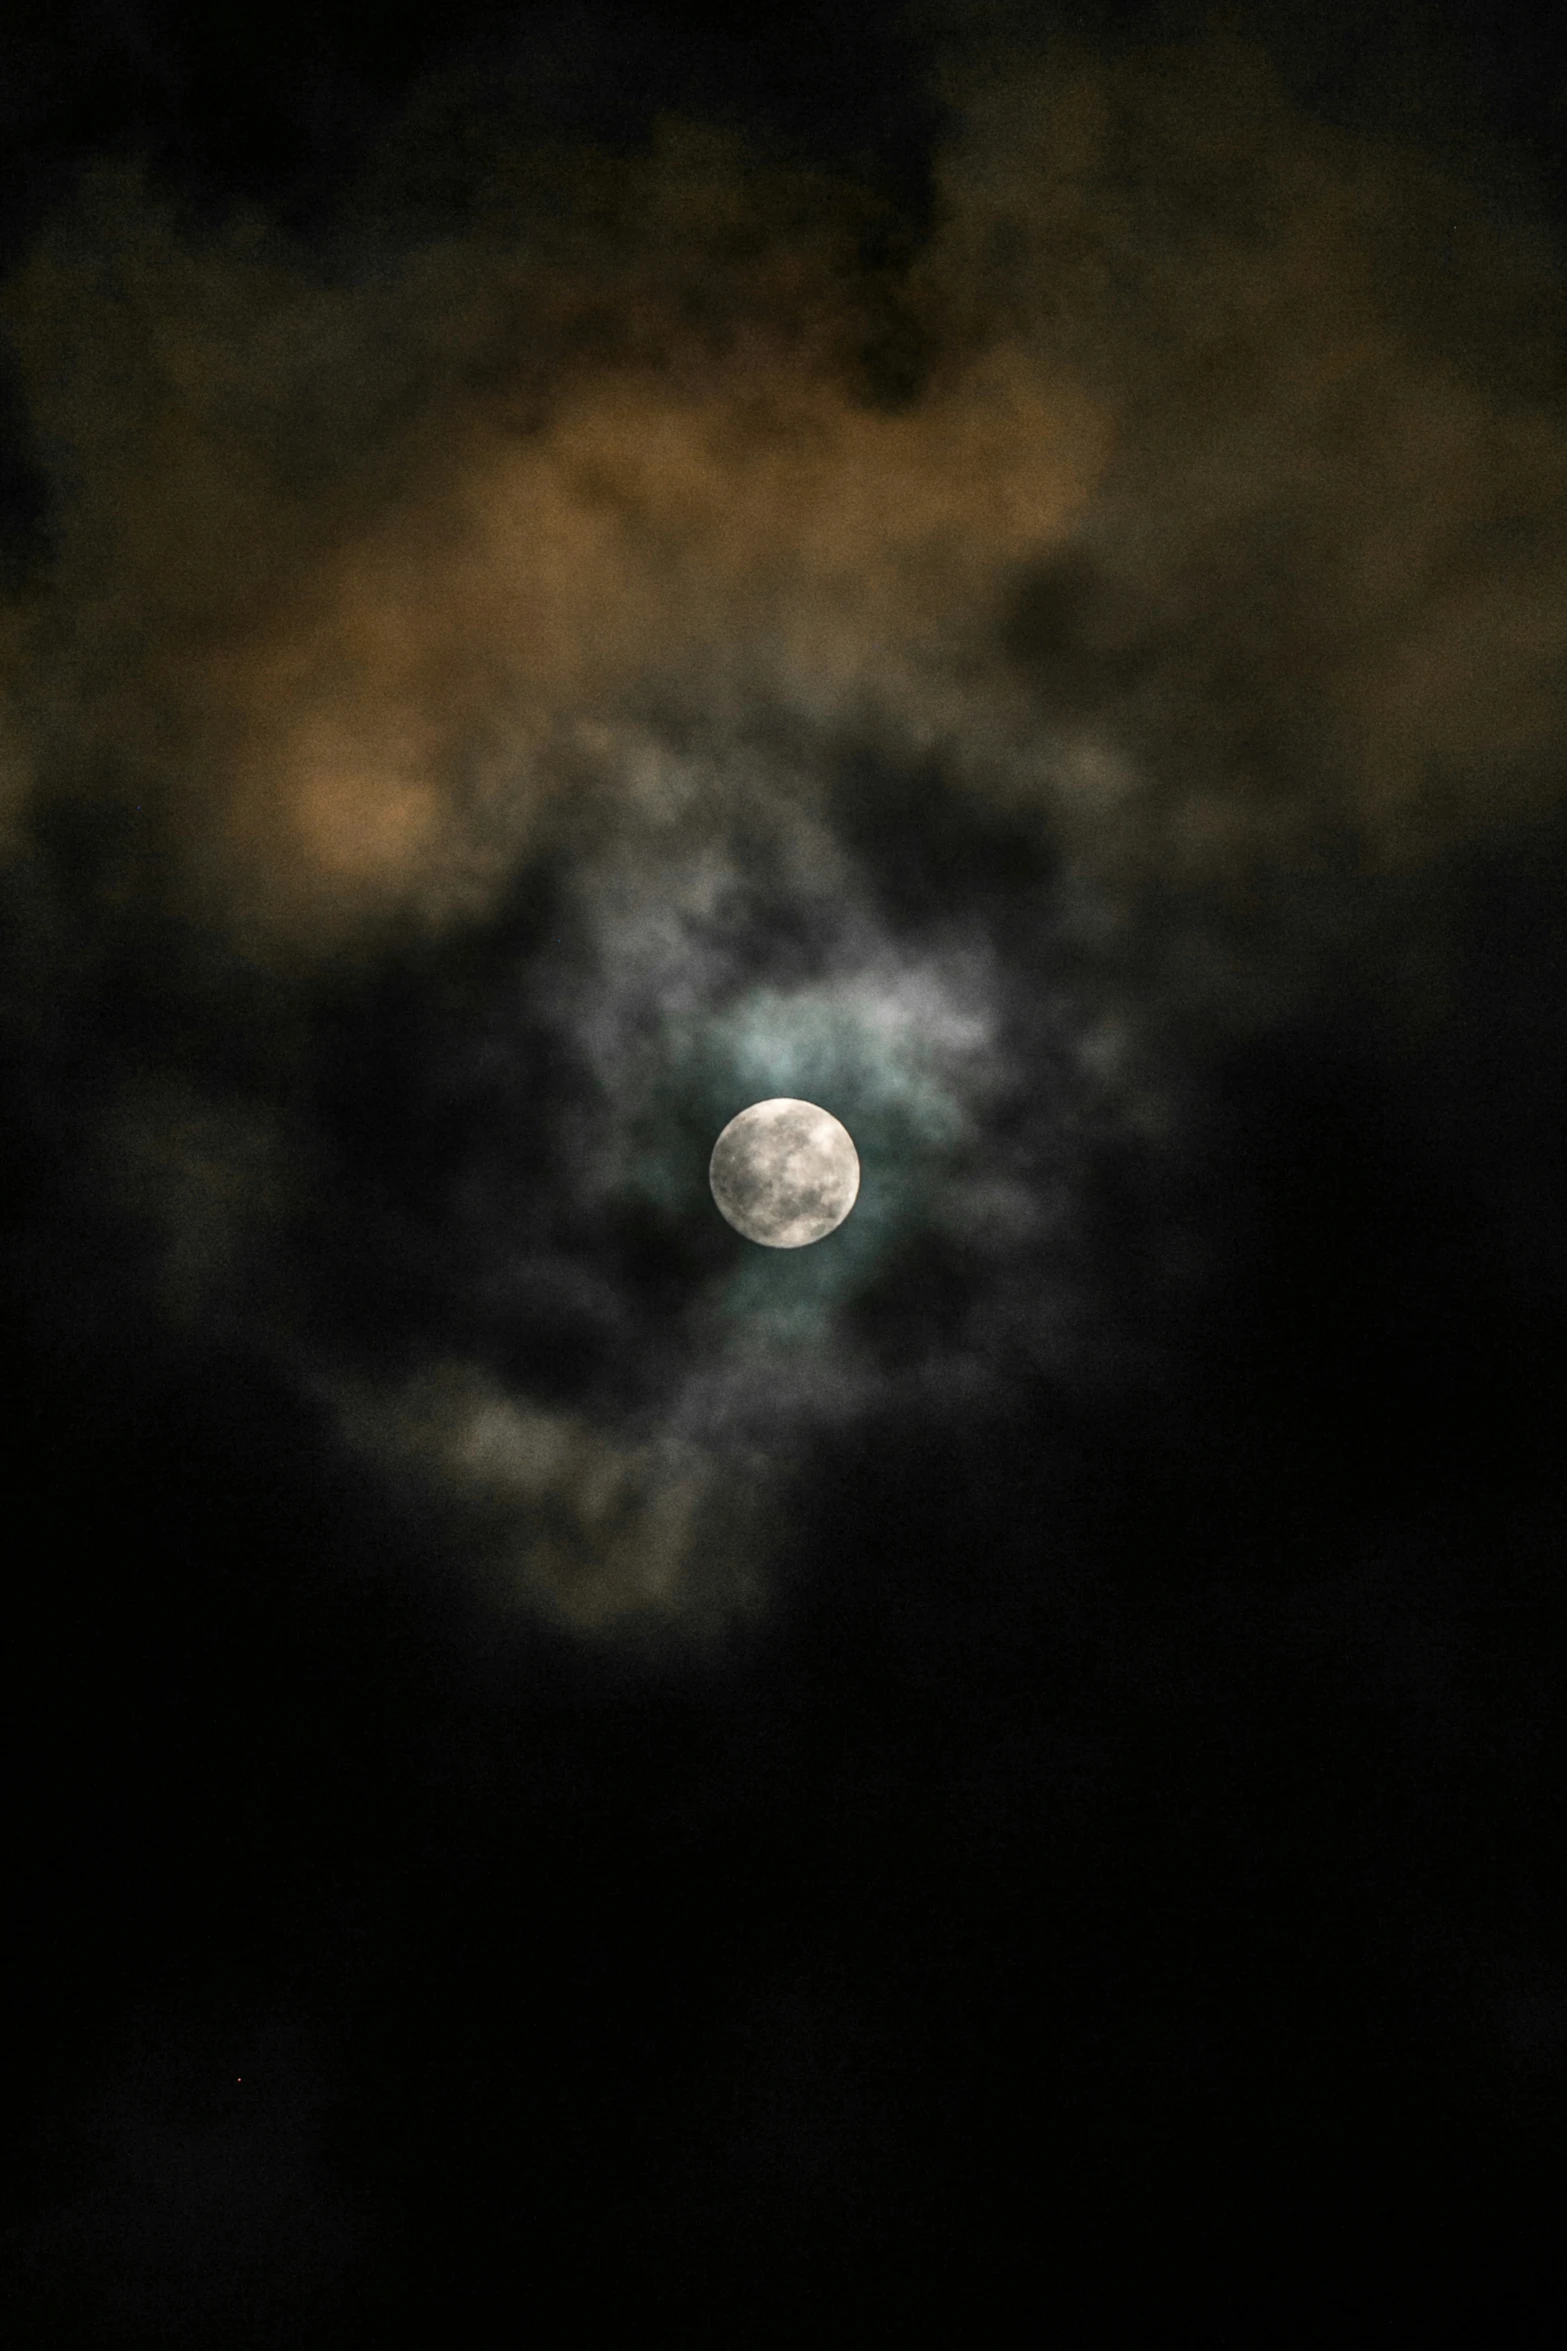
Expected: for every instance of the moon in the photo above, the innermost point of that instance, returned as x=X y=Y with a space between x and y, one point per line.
x=784 y=1173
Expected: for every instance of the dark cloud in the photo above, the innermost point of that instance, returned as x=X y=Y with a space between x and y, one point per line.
x=1031 y=613
x=551 y=604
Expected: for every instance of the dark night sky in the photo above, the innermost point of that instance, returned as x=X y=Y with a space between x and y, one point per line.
x=569 y=569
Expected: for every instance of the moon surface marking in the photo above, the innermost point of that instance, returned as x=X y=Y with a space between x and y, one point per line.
x=784 y=1173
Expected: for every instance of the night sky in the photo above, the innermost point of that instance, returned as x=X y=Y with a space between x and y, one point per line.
x=998 y=1778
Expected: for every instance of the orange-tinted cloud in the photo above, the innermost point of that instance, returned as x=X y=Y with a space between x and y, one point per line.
x=1220 y=530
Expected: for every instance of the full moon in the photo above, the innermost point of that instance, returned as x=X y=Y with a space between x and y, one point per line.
x=784 y=1173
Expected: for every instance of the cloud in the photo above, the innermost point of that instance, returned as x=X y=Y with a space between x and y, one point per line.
x=553 y=603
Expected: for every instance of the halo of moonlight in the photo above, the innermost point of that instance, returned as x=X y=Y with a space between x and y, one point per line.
x=784 y=1173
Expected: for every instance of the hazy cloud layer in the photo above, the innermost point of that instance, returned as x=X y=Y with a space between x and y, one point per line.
x=694 y=659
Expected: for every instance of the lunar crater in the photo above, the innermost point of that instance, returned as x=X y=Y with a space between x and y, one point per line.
x=784 y=1173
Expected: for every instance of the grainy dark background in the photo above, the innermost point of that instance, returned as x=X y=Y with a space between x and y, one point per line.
x=1117 y=1884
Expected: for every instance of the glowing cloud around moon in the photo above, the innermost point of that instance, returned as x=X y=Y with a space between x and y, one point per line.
x=784 y=1173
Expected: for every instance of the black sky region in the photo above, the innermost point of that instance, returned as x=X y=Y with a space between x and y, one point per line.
x=1001 y=1777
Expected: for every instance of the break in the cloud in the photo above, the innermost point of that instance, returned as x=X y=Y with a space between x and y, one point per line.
x=919 y=744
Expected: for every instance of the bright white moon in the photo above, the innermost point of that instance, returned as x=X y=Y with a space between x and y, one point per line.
x=784 y=1173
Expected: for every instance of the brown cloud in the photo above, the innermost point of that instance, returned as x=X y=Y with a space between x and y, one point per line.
x=339 y=561
x=1221 y=529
